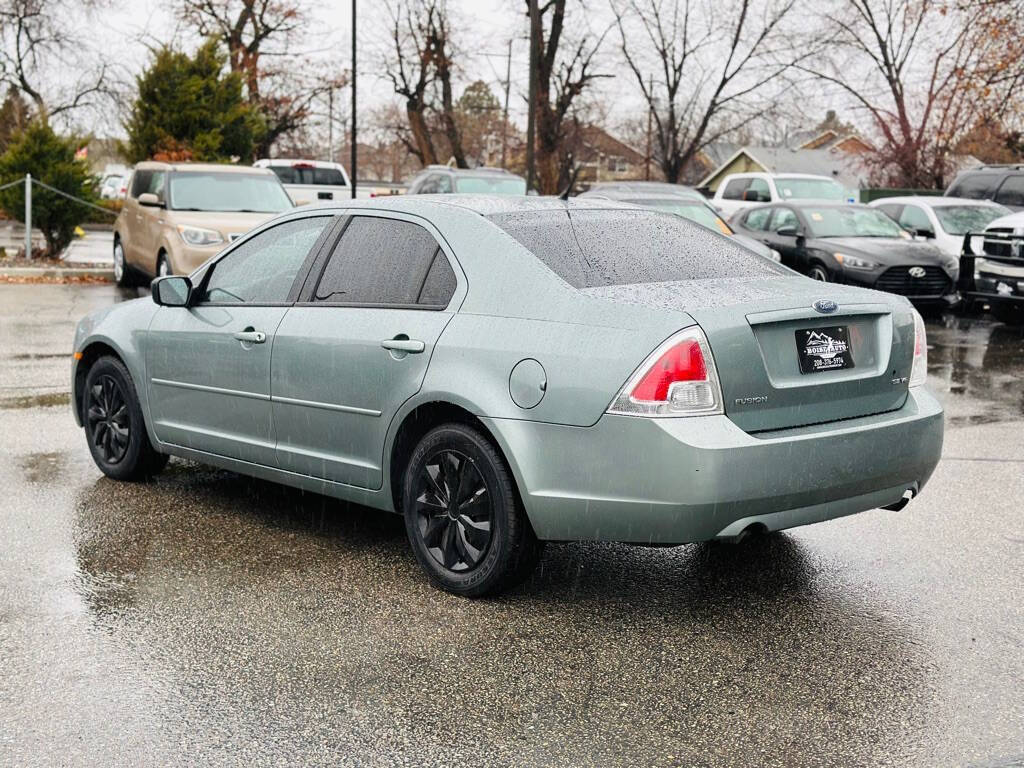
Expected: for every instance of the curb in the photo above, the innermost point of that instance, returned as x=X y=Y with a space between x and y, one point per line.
x=51 y=273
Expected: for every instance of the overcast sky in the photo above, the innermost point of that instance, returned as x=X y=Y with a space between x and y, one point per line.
x=126 y=30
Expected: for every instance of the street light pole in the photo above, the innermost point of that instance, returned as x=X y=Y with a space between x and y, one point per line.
x=354 y=168
x=504 y=121
x=534 y=13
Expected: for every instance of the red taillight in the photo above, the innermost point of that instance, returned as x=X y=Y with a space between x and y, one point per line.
x=683 y=362
x=677 y=379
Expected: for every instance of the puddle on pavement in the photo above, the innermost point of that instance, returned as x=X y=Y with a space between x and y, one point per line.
x=976 y=367
x=42 y=467
x=48 y=400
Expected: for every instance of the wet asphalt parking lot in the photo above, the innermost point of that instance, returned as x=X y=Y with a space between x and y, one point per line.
x=206 y=618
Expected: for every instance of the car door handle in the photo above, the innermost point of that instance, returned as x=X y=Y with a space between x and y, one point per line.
x=412 y=346
x=250 y=336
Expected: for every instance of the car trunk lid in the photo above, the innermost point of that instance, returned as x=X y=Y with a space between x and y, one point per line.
x=756 y=330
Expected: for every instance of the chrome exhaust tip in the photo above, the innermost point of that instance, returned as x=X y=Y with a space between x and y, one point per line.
x=908 y=494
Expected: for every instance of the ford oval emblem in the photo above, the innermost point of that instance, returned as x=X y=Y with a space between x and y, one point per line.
x=825 y=306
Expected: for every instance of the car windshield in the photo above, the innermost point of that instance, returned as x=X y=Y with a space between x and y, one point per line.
x=961 y=219
x=693 y=210
x=227 y=192
x=796 y=188
x=491 y=185
x=852 y=222
x=307 y=174
x=590 y=248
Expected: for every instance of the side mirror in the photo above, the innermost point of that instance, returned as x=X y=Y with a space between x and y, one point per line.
x=148 y=198
x=171 y=291
x=789 y=231
x=921 y=232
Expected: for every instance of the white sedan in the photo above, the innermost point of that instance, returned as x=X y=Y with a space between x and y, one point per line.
x=942 y=220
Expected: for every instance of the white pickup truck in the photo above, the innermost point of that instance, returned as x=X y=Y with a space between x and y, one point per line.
x=317 y=181
x=740 y=190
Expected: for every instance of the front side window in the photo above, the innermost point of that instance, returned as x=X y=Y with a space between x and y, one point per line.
x=914 y=218
x=227 y=192
x=784 y=217
x=262 y=269
x=758 y=219
x=590 y=248
x=386 y=262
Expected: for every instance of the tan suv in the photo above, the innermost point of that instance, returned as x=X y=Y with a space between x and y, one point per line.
x=177 y=215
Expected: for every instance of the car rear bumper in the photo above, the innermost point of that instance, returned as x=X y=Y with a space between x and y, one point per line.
x=671 y=481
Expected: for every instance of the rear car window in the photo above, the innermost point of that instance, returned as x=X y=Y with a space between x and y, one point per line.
x=624 y=247
x=976 y=186
x=289 y=174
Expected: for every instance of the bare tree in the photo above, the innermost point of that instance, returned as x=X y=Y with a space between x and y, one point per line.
x=35 y=42
x=411 y=71
x=703 y=67
x=439 y=40
x=562 y=77
x=255 y=32
x=925 y=74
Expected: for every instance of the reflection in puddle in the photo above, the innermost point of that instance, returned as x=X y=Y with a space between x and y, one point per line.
x=976 y=367
x=42 y=467
x=48 y=400
x=231 y=583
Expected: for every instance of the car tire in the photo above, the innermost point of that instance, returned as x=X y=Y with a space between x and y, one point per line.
x=463 y=515
x=1009 y=313
x=114 y=426
x=163 y=265
x=123 y=274
x=819 y=272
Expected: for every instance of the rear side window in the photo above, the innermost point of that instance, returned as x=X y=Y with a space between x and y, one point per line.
x=976 y=186
x=385 y=262
x=735 y=188
x=625 y=247
x=1012 y=191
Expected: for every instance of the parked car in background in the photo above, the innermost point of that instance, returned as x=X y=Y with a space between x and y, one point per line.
x=740 y=190
x=999 y=279
x=177 y=215
x=696 y=209
x=310 y=181
x=503 y=371
x=611 y=189
x=111 y=186
x=854 y=244
x=943 y=221
x=1003 y=184
x=443 y=179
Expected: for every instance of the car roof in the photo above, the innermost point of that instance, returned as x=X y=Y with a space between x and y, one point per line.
x=157 y=165
x=765 y=174
x=484 y=205
x=627 y=194
x=484 y=170
x=934 y=201
x=290 y=161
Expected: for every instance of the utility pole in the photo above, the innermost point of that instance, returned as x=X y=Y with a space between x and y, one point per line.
x=534 y=13
x=650 y=110
x=28 y=215
x=353 y=167
x=508 y=87
x=330 y=124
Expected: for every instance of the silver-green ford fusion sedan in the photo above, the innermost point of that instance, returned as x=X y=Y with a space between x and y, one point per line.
x=505 y=371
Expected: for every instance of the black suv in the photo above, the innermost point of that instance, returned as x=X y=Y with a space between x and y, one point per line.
x=1002 y=183
x=442 y=179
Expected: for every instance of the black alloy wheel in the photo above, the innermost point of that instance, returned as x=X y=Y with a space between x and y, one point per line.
x=114 y=426
x=107 y=419
x=453 y=510
x=463 y=516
